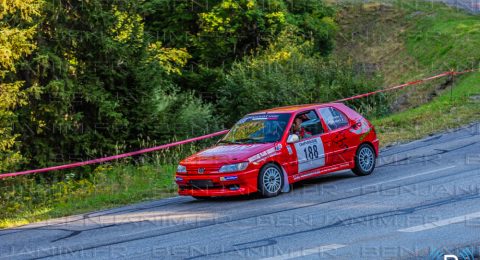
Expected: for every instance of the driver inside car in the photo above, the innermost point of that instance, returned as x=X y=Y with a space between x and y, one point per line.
x=298 y=129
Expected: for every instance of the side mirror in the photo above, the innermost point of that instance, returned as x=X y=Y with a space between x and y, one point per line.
x=293 y=138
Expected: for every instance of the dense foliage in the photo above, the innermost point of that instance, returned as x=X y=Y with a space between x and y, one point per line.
x=16 y=41
x=82 y=79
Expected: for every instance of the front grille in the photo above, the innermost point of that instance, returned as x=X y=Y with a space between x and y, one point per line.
x=201 y=184
x=193 y=169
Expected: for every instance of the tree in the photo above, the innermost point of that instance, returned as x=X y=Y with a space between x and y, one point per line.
x=104 y=84
x=289 y=72
x=17 y=30
x=315 y=21
x=232 y=29
x=103 y=76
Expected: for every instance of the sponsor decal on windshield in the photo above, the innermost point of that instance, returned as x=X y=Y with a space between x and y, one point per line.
x=259 y=117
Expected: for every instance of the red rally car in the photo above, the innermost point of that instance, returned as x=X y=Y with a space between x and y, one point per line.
x=266 y=151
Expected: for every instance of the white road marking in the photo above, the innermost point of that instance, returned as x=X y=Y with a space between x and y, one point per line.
x=306 y=252
x=407 y=177
x=441 y=223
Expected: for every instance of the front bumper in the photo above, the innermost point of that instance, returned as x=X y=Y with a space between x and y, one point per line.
x=209 y=185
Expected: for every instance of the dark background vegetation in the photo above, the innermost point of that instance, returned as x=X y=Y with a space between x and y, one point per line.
x=100 y=77
x=86 y=79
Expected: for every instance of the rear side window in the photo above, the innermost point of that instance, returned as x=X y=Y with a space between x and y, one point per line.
x=333 y=118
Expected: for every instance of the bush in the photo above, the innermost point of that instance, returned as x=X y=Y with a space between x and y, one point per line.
x=290 y=72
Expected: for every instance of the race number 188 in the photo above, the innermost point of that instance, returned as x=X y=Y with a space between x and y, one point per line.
x=310 y=154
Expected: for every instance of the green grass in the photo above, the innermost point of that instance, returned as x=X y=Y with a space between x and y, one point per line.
x=441 y=37
x=438 y=38
x=25 y=200
x=409 y=40
x=450 y=110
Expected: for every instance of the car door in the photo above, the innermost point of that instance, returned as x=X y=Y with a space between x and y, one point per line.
x=341 y=139
x=309 y=151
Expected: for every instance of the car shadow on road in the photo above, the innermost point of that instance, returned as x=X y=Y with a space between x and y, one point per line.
x=313 y=185
x=324 y=179
x=320 y=185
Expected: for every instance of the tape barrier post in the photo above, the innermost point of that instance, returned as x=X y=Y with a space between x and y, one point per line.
x=165 y=146
x=114 y=157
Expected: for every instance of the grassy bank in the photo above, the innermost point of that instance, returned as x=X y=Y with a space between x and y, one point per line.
x=25 y=199
x=33 y=198
x=450 y=110
x=408 y=40
x=439 y=38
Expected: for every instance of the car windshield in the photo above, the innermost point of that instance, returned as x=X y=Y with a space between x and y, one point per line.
x=263 y=128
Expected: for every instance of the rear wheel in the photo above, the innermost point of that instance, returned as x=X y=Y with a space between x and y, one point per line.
x=364 y=160
x=270 y=180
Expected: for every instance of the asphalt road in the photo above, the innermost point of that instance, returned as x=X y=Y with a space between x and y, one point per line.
x=423 y=199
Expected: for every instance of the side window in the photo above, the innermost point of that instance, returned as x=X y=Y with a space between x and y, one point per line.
x=307 y=124
x=333 y=118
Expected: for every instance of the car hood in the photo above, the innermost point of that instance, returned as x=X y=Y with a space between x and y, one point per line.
x=226 y=154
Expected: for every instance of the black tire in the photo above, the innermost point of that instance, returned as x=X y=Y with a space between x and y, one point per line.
x=270 y=180
x=365 y=160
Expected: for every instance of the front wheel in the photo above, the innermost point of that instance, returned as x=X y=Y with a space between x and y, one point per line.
x=364 y=160
x=270 y=180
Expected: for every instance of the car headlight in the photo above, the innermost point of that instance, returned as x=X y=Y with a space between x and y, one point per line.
x=234 y=167
x=181 y=169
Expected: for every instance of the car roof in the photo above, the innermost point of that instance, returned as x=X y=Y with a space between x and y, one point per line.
x=294 y=109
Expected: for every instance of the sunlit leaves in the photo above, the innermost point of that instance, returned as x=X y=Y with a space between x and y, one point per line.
x=20 y=10
x=128 y=28
x=14 y=44
x=170 y=59
x=232 y=29
x=16 y=41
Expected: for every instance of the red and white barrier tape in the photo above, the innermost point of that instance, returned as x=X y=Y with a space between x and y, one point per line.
x=416 y=82
x=114 y=157
x=165 y=146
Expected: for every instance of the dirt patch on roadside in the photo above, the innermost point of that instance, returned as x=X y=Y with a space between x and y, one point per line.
x=370 y=34
x=372 y=39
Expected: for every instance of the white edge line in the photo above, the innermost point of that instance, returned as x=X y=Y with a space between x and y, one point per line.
x=407 y=177
x=306 y=252
x=441 y=223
